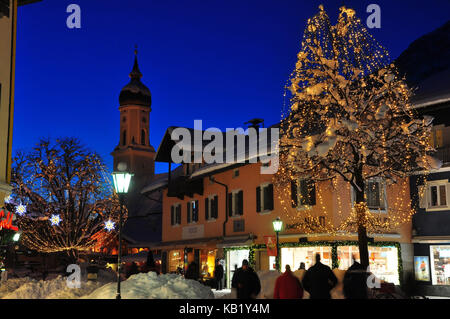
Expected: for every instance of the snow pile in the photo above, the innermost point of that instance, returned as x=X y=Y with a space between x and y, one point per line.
x=267 y=279
x=153 y=286
x=27 y=288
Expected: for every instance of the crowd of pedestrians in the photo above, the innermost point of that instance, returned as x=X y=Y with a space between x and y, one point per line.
x=318 y=281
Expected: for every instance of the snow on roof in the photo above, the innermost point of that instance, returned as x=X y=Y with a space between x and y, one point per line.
x=433 y=90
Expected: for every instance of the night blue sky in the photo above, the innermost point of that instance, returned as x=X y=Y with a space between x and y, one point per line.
x=224 y=62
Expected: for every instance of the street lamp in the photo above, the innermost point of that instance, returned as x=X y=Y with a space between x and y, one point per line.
x=277 y=226
x=122 y=181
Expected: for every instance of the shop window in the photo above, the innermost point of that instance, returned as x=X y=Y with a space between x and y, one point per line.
x=192 y=211
x=440 y=264
x=175 y=261
x=303 y=193
x=264 y=198
x=375 y=194
x=175 y=214
x=293 y=256
x=236 y=203
x=211 y=207
x=383 y=261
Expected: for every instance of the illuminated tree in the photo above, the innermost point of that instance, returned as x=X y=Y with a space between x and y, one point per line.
x=349 y=117
x=67 y=195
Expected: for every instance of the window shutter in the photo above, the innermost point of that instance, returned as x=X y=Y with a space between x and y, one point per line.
x=422 y=199
x=241 y=203
x=258 y=199
x=207 y=208
x=188 y=212
x=178 y=210
x=172 y=215
x=216 y=206
x=269 y=197
x=294 y=196
x=230 y=204
x=312 y=193
x=196 y=211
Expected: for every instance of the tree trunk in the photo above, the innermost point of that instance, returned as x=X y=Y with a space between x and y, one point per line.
x=362 y=232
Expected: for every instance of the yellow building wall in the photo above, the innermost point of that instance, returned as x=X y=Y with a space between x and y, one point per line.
x=7 y=59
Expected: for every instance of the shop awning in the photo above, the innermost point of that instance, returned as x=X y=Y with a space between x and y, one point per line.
x=233 y=241
x=431 y=239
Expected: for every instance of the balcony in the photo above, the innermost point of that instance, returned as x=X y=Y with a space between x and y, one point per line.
x=431 y=223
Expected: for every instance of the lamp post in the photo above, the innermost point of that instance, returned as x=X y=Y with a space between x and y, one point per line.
x=277 y=226
x=121 y=184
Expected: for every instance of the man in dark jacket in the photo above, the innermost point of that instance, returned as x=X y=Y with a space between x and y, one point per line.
x=287 y=286
x=218 y=274
x=246 y=282
x=355 y=282
x=319 y=280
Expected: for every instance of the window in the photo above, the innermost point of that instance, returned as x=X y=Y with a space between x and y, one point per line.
x=143 y=137
x=375 y=194
x=264 y=198
x=303 y=193
x=124 y=137
x=236 y=203
x=238 y=225
x=211 y=207
x=192 y=211
x=433 y=196
x=236 y=173
x=175 y=214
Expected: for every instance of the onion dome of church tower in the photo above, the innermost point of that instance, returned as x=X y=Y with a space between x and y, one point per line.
x=135 y=92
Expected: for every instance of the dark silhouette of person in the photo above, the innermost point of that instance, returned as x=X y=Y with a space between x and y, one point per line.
x=151 y=265
x=287 y=286
x=218 y=274
x=355 y=281
x=192 y=271
x=319 y=280
x=246 y=282
x=133 y=270
x=302 y=266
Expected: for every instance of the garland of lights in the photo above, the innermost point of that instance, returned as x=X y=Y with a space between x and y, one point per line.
x=66 y=202
x=349 y=120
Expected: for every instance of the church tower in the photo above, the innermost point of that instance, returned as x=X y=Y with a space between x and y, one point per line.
x=134 y=147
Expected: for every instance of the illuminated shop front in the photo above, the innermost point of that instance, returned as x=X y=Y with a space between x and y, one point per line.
x=383 y=260
x=176 y=260
x=235 y=256
x=293 y=256
x=440 y=264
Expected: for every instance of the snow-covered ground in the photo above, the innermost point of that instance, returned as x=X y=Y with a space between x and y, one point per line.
x=140 y=286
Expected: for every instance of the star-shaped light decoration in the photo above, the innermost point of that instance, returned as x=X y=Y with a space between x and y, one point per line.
x=55 y=220
x=109 y=225
x=21 y=209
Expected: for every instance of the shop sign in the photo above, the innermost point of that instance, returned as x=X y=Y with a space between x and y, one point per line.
x=271 y=244
x=195 y=231
x=6 y=220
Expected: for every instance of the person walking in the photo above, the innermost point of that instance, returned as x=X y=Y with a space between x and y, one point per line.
x=218 y=274
x=246 y=282
x=319 y=280
x=287 y=286
x=355 y=282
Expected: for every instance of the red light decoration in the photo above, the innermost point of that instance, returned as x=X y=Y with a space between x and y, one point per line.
x=6 y=223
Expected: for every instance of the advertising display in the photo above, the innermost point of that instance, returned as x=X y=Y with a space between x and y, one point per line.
x=440 y=264
x=422 y=268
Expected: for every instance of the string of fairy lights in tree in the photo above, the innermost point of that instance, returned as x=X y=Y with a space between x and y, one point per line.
x=349 y=121
x=63 y=198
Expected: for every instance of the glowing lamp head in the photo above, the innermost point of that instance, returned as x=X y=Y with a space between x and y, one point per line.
x=121 y=179
x=8 y=199
x=16 y=237
x=277 y=225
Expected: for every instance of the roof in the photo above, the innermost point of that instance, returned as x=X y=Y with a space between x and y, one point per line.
x=135 y=92
x=433 y=90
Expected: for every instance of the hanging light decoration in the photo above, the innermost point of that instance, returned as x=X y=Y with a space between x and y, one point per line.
x=21 y=209
x=110 y=225
x=55 y=220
